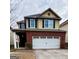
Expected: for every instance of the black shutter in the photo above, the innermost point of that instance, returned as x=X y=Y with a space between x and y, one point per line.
x=36 y=23
x=53 y=23
x=43 y=23
x=28 y=22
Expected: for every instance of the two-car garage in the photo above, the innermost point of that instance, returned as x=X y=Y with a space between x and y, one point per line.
x=44 y=39
x=45 y=42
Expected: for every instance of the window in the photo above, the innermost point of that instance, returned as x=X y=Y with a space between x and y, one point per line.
x=36 y=37
x=45 y=23
x=32 y=23
x=56 y=37
x=22 y=26
x=49 y=37
x=43 y=37
x=48 y=23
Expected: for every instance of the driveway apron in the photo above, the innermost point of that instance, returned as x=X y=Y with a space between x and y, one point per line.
x=51 y=54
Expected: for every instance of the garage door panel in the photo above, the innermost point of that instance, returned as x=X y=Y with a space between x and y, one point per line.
x=51 y=43
x=38 y=43
x=45 y=43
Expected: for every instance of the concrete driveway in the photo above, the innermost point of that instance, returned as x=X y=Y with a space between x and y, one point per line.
x=22 y=54
x=39 y=54
x=51 y=54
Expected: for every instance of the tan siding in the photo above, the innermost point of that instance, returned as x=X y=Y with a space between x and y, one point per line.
x=26 y=23
x=51 y=15
x=56 y=24
x=39 y=24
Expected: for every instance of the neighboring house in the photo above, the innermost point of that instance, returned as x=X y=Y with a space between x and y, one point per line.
x=11 y=38
x=64 y=26
x=41 y=31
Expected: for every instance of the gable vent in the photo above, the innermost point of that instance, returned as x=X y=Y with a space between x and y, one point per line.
x=48 y=14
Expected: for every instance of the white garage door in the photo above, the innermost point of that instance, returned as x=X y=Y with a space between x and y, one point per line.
x=45 y=42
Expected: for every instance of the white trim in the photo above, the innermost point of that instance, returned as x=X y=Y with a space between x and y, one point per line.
x=15 y=41
x=26 y=23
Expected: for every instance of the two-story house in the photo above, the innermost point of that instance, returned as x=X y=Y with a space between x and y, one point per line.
x=41 y=31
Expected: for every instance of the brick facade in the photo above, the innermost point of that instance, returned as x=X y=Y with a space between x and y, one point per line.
x=29 y=35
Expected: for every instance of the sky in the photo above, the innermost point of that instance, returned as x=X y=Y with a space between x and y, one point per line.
x=21 y=8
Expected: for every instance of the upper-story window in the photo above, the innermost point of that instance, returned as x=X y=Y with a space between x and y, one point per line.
x=31 y=23
x=21 y=26
x=48 y=24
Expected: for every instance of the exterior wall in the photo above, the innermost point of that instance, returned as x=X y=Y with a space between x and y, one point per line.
x=39 y=24
x=51 y=15
x=14 y=43
x=65 y=27
x=26 y=23
x=29 y=35
x=56 y=24
x=11 y=38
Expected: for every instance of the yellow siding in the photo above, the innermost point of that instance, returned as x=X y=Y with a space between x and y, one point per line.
x=39 y=24
x=56 y=24
x=51 y=15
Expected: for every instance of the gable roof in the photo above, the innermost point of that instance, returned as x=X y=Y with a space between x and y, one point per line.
x=35 y=15
x=64 y=23
x=49 y=9
x=22 y=21
x=40 y=14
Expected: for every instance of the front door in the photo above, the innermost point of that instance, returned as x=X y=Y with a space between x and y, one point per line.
x=22 y=40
